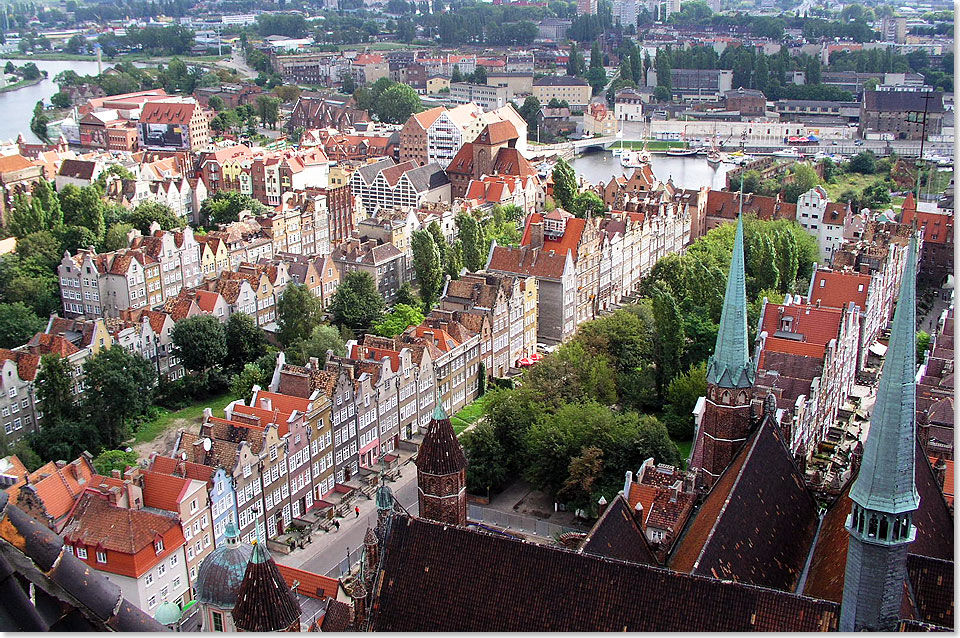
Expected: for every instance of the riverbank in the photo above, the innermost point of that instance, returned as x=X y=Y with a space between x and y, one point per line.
x=22 y=84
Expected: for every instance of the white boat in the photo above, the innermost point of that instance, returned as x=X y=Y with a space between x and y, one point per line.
x=681 y=152
x=714 y=157
x=791 y=153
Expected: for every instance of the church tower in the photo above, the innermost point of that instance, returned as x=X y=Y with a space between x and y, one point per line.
x=884 y=493
x=442 y=472
x=725 y=422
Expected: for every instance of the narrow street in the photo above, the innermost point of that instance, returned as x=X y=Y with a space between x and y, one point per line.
x=329 y=549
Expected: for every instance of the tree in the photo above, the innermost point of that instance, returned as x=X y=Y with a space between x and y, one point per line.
x=564 y=185
x=802 y=178
x=60 y=100
x=469 y=234
x=40 y=251
x=762 y=270
x=288 y=93
x=428 y=267
x=456 y=75
x=116 y=238
x=146 y=213
x=357 y=304
x=268 y=109
x=110 y=460
x=923 y=343
x=298 y=312
x=662 y=94
x=225 y=207
x=479 y=75
x=681 y=398
x=586 y=204
x=575 y=65
x=55 y=396
x=84 y=206
x=596 y=58
x=438 y=239
x=26 y=217
x=17 y=324
x=454 y=260
x=200 y=342
x=876 y=195
x=73 y=238
x=245 y=341
x=119 y=387
x=485 y=454
x=397 y=104
x=216 y=103
x=66 y=440
x=38 y=124
x=669 y=338
x=583 y=475
x=864 y=162
x=597 y=78
x=348 y=84
x=251 y=375
x=530 y=112
x=408 y=296
x=323 y=338
x=399 y=319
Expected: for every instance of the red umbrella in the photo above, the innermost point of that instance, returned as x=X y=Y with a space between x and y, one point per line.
x=536 y=356
x=525 y=361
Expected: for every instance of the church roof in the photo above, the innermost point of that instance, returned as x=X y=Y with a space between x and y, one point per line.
x=265 y=602
x=437 y=577
x=617 y=534
x=440 y=453
x=886 y=479
x=758 y=522
x=221 y=573
x=730 y=366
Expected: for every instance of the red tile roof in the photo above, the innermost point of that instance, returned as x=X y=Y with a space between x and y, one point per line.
x=816 y=325
x=835 y=289
x=310 y=584
x=569 y=241
x=128 y=536
x=58 y=487
x=937 y=227
x=167 y=113
x=164 y=491
x=27 y=362
x=947 y=479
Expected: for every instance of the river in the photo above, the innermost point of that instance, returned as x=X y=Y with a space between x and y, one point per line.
x=17 y=106
x=687 y=172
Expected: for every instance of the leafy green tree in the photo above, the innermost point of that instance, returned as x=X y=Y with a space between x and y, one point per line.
x=60 y=100
x=37 y=292
x=428 y=267
x=575 y=64
x=669 y=338
x=268 y=109
x=83 y=206
x=200 y=342
x=469 y=234
x=583 y=477
x=66 y=440
x=298 y=313
x=596 y=58
x=597 y=78
x=119 y=388
x=408 y=296
x=116 y=238
x=397 y=104
x=39 y=250
x=110 y=460
x=485 y=455
x=324 y=337
x=251 y=375
x=876 y=196
x=225 y=207
x=147 y=213
x=923 y=343
x=73 y=238
x=245 y=340
x=788 y=259
x=586 y=204
x=565 y=188
x=38 y=124
x=573 y=374
x=216 y=103
x=398 y=320
x=55 y=396
x=864 y=162
x=434 y=229
x=802 y=178
x=762 y=264
x=357 y=304
x=662 y=94
x=681 y=397
x=17 y=324
x=454 y=260
x=26 y=217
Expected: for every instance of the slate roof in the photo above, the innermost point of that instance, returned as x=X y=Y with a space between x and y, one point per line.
x=440 y=578
x=617 y=534
x=931 y=582
x=440 y=452
x=900 y=101
x=45 y=588
x=77 y=169
x=427 y=177
x=265 y=602
x=758 y=522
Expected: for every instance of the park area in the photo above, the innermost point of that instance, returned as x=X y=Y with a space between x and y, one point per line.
x=160 y=433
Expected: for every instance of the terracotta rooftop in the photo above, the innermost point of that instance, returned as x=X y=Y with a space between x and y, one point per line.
x=836 y=289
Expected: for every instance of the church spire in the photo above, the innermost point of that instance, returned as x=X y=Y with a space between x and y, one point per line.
x=886 y=479
x=884 y=494
x=730 y=365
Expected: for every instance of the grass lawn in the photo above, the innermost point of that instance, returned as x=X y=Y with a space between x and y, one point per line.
x=180 y=418
x=684 y=447
x=468 y=415
x=854 y=181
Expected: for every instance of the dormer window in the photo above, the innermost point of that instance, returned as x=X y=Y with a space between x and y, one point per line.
x=786 y=323
x=157 y=545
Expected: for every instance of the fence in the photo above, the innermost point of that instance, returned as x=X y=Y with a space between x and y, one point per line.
x=344 y=566
x=505 y=520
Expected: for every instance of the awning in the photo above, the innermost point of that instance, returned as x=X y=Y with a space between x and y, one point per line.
x=536 y=356
x=878 y=349
x=525 y=362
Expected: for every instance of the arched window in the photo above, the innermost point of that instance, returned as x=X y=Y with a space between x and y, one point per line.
x=884 y=527
x=872 y=529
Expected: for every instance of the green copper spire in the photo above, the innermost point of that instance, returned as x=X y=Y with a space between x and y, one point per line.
x=439 y=414
x=730 y=365
x=886 y=480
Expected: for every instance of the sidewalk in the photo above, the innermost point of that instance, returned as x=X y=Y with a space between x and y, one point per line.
x=329 y=549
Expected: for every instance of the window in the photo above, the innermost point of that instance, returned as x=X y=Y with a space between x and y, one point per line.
x=149 y=579
x=152 y=602
x=217 y=621
x=176 y=583
x=173 y=560
x=158 y=545
x=164 y=591
x=161 y=570
x=81 y=552
x=101 y=557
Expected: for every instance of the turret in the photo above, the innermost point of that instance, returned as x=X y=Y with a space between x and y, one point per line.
x=884 y=493
x=441 y=472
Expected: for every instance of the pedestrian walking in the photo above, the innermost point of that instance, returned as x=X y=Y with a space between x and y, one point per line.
x=336 y=524
x=356 y=510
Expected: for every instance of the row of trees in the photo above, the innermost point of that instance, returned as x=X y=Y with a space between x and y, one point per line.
x=609 y=398
x=389 y=101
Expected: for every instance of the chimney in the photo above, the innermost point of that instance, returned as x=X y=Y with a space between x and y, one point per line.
x=536 y=235
x=940 y=471
x=638 y=513
x=115 y=474
x=627 y=482
x=207 y=414
x=601 y=506
x=675 y=491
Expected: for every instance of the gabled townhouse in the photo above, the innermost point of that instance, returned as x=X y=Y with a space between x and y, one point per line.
x=524 y=192
x=456 y=359
x=267 y=283
x=384 y=184
x=18 y=403
x=178 y=253
x=42 y=344
x=384 y=262
x=317 y=272
x=394 y=227
x=556 y=276
x=724 y=206
x=214 y=256
x=220 y=169
x=172 y=126
x=148 y=333
x=188 y=500
x=936 y=256
x=510 y=303
x=845 y=289
x=139 y=551
x=826 y=341
x=435 y=135
x=237 y=293
x=824 y=220
x=245 y=241
x=78 y=172
x=935 y=395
